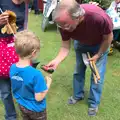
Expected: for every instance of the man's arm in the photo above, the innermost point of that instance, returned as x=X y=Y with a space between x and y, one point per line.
x=63 y=53
x=107 y=39
x=64 y=50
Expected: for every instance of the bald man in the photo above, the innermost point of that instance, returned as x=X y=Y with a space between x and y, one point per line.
x=91 y=29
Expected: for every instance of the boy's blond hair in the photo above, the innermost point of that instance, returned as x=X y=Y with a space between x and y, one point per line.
x=26 y=42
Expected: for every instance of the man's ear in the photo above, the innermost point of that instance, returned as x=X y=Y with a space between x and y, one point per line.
x=77 y=20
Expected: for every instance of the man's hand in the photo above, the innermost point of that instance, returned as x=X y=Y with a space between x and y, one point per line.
x=95 y=58
x=53 y=64
x=94 y=3
x=47 y=69
x=107 y=39
x=3 y=18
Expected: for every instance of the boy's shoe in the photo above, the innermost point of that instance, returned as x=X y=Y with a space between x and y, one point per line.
x=92 y=111
x=71 y=100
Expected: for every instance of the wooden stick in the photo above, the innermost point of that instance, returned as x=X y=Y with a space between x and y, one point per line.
x=94 y=76
x=95 y=68
x=97 y=73
x=10 y=29
x=95 y=79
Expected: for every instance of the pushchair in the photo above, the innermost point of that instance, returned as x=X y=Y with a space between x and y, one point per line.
x=49 y=6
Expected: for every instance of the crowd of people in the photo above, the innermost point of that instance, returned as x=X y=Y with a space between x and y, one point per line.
x=92 y=31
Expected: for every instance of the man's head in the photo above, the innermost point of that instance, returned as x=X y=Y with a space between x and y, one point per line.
x=117 y=1
x=20 y=1
x=68 y=15
x=27 y=44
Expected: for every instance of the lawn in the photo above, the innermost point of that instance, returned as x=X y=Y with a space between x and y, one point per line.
x=61 y=87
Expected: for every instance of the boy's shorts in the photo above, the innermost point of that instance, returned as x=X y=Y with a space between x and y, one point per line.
x=31 y=115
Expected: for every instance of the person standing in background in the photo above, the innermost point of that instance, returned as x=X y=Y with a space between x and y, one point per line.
x=79 y=1
x=36 y=6
x=7 y=52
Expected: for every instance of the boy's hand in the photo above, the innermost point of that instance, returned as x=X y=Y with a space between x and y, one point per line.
x=49 y=75
x=48 y=80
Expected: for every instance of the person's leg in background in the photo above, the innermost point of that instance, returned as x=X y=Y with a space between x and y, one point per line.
x=6 y=96
x=116 y=34
x=78 y=77
x=36 y=6
x=30 y=5
x=116 y=41
x=96 y=89
x=79 y=1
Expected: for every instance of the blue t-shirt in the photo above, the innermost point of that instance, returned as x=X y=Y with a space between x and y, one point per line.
x=25 y=82
x=18 y=9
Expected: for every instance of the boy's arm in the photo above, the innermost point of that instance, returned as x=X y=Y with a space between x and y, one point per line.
x=40 y=96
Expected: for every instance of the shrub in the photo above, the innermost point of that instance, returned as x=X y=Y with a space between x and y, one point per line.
x=103 y=3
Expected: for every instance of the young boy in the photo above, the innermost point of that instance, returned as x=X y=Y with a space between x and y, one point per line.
x=28 y=85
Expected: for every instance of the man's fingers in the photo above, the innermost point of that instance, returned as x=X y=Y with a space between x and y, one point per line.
x=49 y=65
x=90 y=59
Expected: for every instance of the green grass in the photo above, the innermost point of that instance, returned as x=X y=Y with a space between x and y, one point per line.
x=61 y=88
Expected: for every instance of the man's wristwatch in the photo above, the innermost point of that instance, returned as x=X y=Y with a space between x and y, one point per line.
x=100 y=54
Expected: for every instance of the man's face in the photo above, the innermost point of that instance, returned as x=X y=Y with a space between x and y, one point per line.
x=27 y=1
x=117 y=1
x=18 y=1
x=66 y=22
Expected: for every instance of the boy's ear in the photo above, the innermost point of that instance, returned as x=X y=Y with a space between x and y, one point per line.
x=34 y=52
